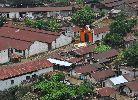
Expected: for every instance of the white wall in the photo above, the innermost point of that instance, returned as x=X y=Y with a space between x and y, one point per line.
x=108 y=83
x=5 y=84
x=62 y=40
x=49 y=14
x=30 y=15
x=14 y=15
x=38 y=47
x=128 y=72
x=69 y=32
x=98 y=36
x=4 y=56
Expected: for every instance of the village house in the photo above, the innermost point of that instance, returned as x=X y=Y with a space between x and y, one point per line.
x=100 y=33
x=61 y=65
x=129 y=40
x=101 y=76
x=84 y=52
x=105 y=57
x=130 y=89
x=129 y=70
x=83 y=72
x=27 y=42
x=73 y=31
x=106 y=93
x=13 y=75
x=115 y=81
x=129 y=6
x=37 y=12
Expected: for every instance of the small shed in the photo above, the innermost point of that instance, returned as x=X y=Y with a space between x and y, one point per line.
x=115 y=81
x=61 y=65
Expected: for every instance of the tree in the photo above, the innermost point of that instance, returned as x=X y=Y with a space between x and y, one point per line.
x=83 y=17
x=58 y=77
x=102 y=48
x=131 y=55
x=122 y=25
x=113 y=39
x=40 y=24
x=53 y=25
x=28 y=22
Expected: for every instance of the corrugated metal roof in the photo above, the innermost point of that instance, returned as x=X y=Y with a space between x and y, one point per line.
x=59 y=62
x=118 y=80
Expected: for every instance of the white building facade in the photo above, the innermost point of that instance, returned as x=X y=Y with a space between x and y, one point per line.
x=10 y=82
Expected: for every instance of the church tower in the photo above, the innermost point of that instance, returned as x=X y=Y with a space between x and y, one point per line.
x=86 y=34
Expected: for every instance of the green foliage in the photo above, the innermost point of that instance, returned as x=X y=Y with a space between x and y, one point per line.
x=14 y=93
x=136 y=33
x=40 y=24
x=79 y=1
x=83 y=17
x=131 y=55
x=102 y=48
x=121 y=25
x=28 y=22
x=55 y=90
x=52 y=24
x=114 y=40
x=58 y=77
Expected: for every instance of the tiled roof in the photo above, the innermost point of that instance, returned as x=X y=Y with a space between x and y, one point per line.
x=107 y=54
x=85 y=50
x=20 y=69
x=106 y=91
x=132 y=85
x=16 y=33
x=74 y=60
x=112 y=3
x=37 y=9
x=85 y=69
x=75 y=29
x=102 y=75
x=132 y=3
x=6 y=43
x=104 y=29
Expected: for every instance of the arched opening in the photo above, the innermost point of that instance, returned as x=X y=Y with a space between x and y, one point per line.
x=86 y=37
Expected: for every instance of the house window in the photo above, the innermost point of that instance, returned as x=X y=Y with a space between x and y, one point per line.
x=27 y=77
x=34 y=76
x=12 y=81
x=20 y=51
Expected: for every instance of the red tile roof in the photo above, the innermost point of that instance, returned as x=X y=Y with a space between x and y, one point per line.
x=85 y=69
x=132 y=85
x=74 y=60
x=112 y=3
x=6 y=43
x=20 y=69
x=107 y=54
x=106 y=91
x=26 y=35
x=85 y=50
x=75 y=29
x=102 y=75
x=101 y=30
x=37 y=9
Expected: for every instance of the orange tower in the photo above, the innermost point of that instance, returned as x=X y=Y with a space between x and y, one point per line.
x=86 y=35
